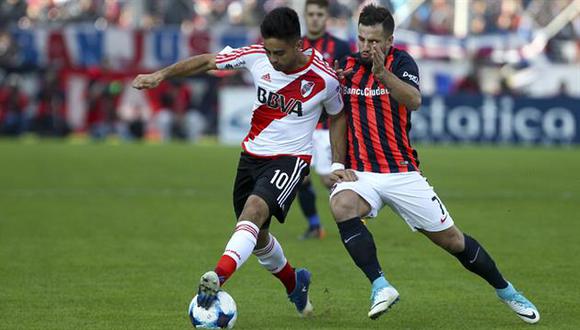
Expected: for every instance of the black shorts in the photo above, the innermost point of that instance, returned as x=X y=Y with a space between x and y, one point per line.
x=274 y=180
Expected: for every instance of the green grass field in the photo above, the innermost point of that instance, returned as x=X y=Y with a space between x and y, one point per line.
x=99 y=236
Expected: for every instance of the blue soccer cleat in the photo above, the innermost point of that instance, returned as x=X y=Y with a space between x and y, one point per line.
x=209 y=285
x=300 y=294
x=383 y=297
x=516 y=301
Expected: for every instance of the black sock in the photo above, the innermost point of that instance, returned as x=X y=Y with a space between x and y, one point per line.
x=360 y=244
x=478 y=261
x=307 y=199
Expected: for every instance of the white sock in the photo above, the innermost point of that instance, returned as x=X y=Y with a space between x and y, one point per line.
x=271 y=256
x=242 y=242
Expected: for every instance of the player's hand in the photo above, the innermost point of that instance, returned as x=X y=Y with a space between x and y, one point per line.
x=342 y=176
x=378 y=60
x=341 y=73
x=144 y=81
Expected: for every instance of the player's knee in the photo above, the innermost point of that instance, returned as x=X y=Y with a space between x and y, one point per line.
x=450 y=239
x=453 y=242
x=255 y=210
x=343 y=206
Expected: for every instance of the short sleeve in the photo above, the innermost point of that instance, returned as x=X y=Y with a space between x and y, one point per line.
x=406 y=69
x=333 y=103
x=238 y=58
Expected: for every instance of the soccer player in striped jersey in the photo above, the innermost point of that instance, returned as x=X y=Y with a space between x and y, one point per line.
x=381 y=89
x=293 y=86
x=316 y=15
x=332 y=48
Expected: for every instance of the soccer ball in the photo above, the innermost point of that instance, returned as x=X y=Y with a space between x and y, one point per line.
x=221 y=314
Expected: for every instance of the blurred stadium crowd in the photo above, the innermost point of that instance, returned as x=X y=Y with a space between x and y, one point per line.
x=489 y=46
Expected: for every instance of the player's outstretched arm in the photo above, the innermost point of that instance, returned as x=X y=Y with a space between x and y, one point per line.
x=191 y=66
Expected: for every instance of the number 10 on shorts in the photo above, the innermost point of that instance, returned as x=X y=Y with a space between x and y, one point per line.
x=280 y=179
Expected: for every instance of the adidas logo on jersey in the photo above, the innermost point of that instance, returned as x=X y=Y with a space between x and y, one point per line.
x=266 y=77
x=278 y=102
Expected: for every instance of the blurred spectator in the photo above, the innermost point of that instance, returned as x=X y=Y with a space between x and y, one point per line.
x=165 y=116
x=49 y=119
x=8 y=50
x=11 y=11
x=102 y=99
x=227 y=22
x=508 y=19
x=469 y=84
x=176 y=11
x=13 y=103
x=441 y=17
x=175 y=101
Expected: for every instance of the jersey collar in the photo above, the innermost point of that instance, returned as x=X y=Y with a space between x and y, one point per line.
x=305 y=65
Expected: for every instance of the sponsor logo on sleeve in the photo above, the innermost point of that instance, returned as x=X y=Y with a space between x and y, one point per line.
x=411 y=77
x=266 y=77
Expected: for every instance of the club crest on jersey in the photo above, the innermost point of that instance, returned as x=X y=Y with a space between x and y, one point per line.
x=279 y=102
x=306 y=88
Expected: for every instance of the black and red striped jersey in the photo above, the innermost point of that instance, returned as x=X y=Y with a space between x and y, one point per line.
x=377 y=125
x=331 y=48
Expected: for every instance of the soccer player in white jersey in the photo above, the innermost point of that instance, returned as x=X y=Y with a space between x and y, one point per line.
x=292 y=88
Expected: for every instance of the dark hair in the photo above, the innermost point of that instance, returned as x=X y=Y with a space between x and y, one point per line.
x=372 y=15
x=281 y=23
x=319 y=3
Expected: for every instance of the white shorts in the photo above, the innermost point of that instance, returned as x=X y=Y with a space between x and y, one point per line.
x=408 y=194
x=321 y=152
